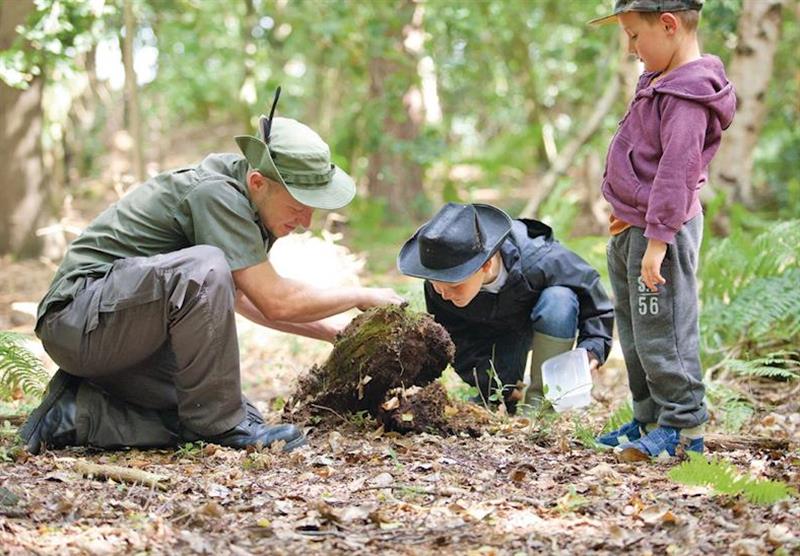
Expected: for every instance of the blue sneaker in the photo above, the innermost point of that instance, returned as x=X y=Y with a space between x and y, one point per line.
x=661 y=442
x=626 y=433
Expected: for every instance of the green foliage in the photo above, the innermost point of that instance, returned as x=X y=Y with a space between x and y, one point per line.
x=362 y=419
x=780 y=364
x=622 y=415
x=190 y=450
x=721 y=476
x=456 y=388
x=729 y=408
x=748 y=289
x=370 y=232
x=585 y=435
x=57 y=32
x=19 y=367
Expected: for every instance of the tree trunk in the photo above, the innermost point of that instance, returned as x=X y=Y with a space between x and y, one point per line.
x=248 y=94
x=750 y=72
x=392 y=173
x=23 y=196
x=132 y=92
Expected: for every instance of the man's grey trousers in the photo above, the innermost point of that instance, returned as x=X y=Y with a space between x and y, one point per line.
x=658 y=331
x=156 y=340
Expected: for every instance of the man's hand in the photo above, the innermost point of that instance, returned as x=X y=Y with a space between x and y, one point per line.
x=651 y=264
x=594 y=364
x=373 y=297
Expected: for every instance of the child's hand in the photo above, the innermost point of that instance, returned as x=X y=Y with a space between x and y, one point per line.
x=651 y=264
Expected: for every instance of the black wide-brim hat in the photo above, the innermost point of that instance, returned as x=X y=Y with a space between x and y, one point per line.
x=454 y=244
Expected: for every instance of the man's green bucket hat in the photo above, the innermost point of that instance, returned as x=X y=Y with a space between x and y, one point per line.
x=300 y=160
x=652 y=6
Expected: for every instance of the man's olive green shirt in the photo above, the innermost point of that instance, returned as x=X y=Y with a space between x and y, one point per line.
x=207 y=204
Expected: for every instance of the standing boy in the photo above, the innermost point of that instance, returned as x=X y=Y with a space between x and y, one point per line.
x=502 y=288
x=657 y=162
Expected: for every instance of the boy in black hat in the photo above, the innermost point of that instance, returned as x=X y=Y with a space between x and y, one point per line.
x=502 y=288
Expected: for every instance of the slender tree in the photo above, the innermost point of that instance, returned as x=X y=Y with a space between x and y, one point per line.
x=23 y=194
x=751 y=73
x=132 y=91
x=392 y=173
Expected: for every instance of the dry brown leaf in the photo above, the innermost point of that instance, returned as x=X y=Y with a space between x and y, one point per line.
x=517 y=474
x=779 y=535
x=630 y=455
x=382 y=480
x=603 y=471
x=211 y=509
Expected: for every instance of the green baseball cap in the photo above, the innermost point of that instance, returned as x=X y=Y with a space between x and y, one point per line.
x=293 y=155
x=653 y=6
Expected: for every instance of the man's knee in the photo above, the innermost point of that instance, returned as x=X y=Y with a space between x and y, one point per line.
x=556 y=312
x=209 y=262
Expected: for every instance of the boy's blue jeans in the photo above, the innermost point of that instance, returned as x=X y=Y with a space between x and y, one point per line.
x=555 y=314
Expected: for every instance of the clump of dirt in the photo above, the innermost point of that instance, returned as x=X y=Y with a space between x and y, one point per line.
x=382 y=349
x=415 y=409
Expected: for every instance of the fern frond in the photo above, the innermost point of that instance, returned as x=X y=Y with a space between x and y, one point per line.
x=730 y=408
x=780 y=364
x=767 y=306
x=19 y=367
x=723 y=478
x=732 y=263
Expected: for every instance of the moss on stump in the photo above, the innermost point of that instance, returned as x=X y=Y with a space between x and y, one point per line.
x=381 y=349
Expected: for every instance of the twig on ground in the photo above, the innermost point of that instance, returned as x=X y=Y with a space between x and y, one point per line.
x=15 y=420
x=329 y=409
x=123 y=474
x=725 y=442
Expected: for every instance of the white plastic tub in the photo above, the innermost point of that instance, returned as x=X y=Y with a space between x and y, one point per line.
x=567 y=380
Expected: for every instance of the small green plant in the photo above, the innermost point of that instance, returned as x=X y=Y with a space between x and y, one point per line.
x=584 y=435
x=721 y=476
x=456 y=388
x=19 y=367
x=190 y=450
x=622 y=415
x=571 y=501
x=278 y=403
x=362 y=419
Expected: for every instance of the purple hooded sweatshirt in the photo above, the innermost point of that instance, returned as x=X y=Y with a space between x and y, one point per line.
x=658 y=159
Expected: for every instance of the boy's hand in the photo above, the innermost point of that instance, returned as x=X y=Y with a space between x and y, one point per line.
x=594 y=364
x=651 y=264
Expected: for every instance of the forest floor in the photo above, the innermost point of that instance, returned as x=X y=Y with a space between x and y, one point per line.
x=526 y=485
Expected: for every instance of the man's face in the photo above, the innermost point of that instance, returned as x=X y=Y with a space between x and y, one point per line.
x=460 y=294
x=650 y=42
x=279 y=211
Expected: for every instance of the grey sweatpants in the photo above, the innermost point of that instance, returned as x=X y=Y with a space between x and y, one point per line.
x=659 y=331
x=156 y=340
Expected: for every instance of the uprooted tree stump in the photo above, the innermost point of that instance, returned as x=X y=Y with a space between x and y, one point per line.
x=376 y=365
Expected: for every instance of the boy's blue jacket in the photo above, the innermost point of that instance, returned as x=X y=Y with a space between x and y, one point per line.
x=534 y=261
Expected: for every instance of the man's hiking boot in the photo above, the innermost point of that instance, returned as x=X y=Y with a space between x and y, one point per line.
x=662 y=443
x=52 y=424
x=252 y=431
x=626 y=433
